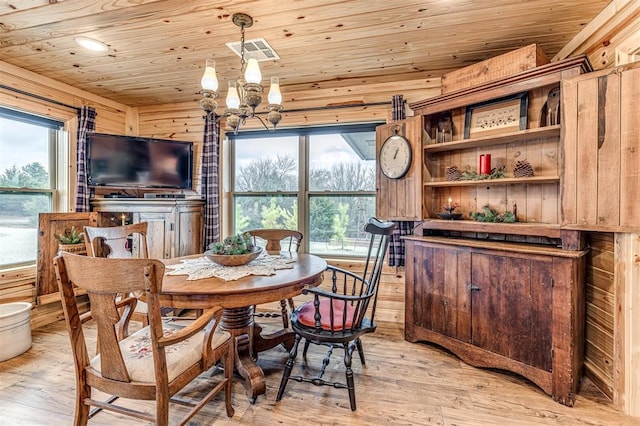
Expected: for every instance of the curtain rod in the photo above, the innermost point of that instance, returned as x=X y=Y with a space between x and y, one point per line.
x=338 y=106
x=42 y=98
x=332 y=107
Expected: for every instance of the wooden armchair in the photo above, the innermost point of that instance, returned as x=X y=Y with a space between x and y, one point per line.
x=338 y=318
x=119 y=242
x=154 y=363
x=273 y=240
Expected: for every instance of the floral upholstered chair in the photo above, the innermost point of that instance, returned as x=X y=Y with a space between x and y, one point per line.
x=155 y=362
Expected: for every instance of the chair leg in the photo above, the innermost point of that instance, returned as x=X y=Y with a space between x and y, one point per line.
x=348 y=352
x=82 y=409
x=306 y=347
x=360 y=350
x=162 y=408
x=288 y=367
x=228 y=374
x=285 y=313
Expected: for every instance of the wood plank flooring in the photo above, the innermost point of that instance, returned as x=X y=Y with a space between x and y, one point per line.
x=402 y=384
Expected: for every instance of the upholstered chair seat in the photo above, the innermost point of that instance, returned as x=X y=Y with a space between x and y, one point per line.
x=138 y=356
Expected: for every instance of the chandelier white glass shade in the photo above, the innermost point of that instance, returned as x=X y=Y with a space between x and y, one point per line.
x=245 y=94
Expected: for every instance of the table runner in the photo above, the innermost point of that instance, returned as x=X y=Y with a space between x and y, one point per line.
x=202 y=267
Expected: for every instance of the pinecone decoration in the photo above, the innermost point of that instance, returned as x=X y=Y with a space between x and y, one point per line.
x=453 y=173
x=522 y=169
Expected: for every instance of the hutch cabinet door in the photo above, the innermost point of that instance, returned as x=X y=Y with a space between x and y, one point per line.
x=400 y=199
x=190 y=227
x=441 y=301
x=601 y=156
x=511 y=307
x=159 y=233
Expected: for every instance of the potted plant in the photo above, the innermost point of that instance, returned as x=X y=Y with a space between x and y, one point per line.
x=71 y=241
x=233 y=251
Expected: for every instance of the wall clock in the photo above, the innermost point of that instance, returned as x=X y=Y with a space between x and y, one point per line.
x=395 y=157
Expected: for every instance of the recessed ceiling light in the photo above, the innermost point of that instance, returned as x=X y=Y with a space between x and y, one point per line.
x=91 y=44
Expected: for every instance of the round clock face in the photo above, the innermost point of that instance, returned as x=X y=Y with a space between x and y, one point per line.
x=395 y=157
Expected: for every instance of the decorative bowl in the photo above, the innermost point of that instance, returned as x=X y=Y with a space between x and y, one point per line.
x=450 y=216
x=233 y=259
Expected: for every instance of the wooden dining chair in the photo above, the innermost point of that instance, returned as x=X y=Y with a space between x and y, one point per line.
x=273 y=240
x=338 y=317
x=121 y=242
x=156 y=362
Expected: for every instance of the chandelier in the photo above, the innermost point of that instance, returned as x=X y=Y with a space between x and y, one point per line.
x=245 y=94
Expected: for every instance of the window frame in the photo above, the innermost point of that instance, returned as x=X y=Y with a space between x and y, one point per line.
x=57 y=148
x=303 y=194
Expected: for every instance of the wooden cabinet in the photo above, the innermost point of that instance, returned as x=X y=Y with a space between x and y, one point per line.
x=401 y=199
x=175 y=227
x=497 y=294
x=49 y=225
x=511 y=306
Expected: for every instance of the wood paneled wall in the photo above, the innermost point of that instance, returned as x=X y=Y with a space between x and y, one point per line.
x=600 y=292
x=304 y=106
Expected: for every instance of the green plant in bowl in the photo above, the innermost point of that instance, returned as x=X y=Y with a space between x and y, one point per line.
x=237 y=244
x=233 y=251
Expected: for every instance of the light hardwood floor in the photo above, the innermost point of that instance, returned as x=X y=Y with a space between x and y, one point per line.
x=402 y=384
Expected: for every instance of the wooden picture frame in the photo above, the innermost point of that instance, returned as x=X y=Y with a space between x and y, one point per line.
x=496 y=116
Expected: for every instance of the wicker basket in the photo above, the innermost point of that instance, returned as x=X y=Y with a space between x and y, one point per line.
x=79 y=248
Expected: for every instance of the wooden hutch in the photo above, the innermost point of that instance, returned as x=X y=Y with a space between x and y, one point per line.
x=500 y=295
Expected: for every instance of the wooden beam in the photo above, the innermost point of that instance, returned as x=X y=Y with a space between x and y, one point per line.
x=615 y=16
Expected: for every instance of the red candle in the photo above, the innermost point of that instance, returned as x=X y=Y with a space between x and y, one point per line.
x=485 y=164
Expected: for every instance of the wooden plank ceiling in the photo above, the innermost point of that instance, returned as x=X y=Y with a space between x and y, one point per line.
x=157 y=48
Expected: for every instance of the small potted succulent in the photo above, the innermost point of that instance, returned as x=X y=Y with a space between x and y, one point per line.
x=71 y=241
x=233 y=251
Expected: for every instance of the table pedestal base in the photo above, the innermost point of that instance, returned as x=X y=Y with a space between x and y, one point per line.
x=248 y=341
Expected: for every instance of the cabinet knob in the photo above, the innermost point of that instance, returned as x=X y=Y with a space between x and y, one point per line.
x=473 y=287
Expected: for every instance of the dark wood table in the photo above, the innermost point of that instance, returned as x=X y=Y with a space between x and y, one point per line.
x=238 y=299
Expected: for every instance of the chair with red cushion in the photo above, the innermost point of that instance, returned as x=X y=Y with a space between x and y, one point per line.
x=338 y=318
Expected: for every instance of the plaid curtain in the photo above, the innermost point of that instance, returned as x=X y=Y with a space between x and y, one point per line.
x=209 y=179
x=396 y=245
x=86 y=124
x=397 y=108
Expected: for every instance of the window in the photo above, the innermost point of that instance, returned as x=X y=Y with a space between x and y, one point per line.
x=320 y=181
x=27 y=182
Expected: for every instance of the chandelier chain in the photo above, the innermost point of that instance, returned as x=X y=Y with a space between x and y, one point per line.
x=242 y=61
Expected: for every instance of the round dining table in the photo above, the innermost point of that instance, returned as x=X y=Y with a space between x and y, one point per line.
x=238 y=299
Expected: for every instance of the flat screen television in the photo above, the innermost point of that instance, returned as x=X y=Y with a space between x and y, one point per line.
x=137 y=162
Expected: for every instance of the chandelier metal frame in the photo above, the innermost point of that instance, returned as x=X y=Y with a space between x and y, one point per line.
x=249 y=93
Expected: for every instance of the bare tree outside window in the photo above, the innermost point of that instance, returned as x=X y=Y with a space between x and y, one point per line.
x=340 y=178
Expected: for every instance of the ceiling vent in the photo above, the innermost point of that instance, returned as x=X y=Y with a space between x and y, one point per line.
x=257 y=48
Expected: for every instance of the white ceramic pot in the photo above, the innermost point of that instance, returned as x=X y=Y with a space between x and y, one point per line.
x=15 y=329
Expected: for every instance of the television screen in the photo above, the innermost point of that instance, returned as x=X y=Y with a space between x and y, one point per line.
x=132 y=161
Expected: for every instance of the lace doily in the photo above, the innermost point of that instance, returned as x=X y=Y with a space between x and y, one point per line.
x=202 y=267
